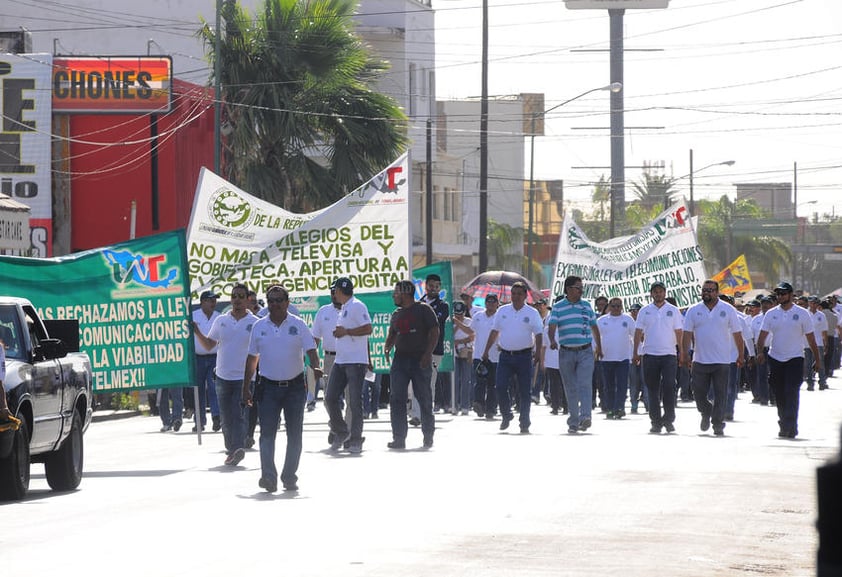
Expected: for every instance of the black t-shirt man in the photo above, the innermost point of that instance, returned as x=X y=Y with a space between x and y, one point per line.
x=410 y=327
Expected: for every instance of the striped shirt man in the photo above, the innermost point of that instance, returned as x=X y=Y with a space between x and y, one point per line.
x=573 y=322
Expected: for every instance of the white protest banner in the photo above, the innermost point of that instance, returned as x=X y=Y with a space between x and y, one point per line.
x=665 y=250
x=235 y=237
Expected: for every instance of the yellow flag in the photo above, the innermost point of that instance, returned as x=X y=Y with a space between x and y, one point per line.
x=734 y=278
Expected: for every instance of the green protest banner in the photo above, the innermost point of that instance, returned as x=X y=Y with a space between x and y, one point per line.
x=132 y=301
x=380 y=307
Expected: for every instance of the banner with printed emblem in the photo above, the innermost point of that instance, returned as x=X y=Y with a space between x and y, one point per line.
x=665 y=250
x=235 y=237
x=132 y=301
x=734 y=278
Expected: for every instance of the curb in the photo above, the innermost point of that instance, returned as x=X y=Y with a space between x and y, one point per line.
x=110 y=415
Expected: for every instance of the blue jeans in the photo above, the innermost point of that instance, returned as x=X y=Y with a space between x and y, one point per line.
x=785 y=380
x=232 y=413
x=205 y=366
x=350 y=375
x=576 y=368
x=615 y=383
x=485 y=389
x=711 y=378
x=464 y=385
x=519 y=366
x=659 y=372
x=272 y=399
x=371 y=395
x=407 y=370
x=176 y=395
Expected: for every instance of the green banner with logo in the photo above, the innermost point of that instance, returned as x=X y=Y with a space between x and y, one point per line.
x=132 y=301
x=381 y=306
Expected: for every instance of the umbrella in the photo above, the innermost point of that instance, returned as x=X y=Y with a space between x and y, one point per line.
x=499 y=282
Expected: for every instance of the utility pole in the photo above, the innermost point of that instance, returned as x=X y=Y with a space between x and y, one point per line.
x=483 y=147
x=618 y=158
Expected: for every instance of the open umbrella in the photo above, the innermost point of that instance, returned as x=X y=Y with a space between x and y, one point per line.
x=499 y=282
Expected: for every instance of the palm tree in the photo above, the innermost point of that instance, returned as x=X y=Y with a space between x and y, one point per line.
x=503 y=239
x=721 y=244
x=305 y=125
x=654 y=190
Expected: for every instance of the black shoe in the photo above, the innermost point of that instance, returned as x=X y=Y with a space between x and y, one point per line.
x=670 y=428
x=396 y=445
x=585 y=425
x=554 y=412
x=505 y=423
x=268 y=484
x=572 y=430
x=428 y=442
x=249 y=442
x=176 y=425
x=166 y=428
x=489 y=417
x=217 y=425
x=811 y=388
x=705 y=424
x=524 y=430
x=479 y=409
x=414 y=421
x=194 y=428
x=634 y=411
x=290 y=486
x=719 y=432
x=729 y=417
x=609 y=415
x=655 y=429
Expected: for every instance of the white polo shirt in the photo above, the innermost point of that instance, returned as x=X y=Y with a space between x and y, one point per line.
x=748 y=341
x=659 y=325
x=281 y=347
x=205 y=325
x=232 y=337
x=617 y=335
x=819 y=327
x=517 y=328
x=789 y=328
x=550 y=356
x=713 y=331
x=351 y=349
x=323 y=324
x=756 y=322
x=482 y=325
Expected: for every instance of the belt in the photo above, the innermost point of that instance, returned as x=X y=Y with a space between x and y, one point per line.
x=520 y=352
x=330 y=352
x=579 y=348
x=292 y=381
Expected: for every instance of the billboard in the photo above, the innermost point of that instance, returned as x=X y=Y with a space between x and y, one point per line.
x=112 y=84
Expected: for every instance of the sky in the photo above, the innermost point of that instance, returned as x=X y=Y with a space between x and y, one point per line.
x=758 y=82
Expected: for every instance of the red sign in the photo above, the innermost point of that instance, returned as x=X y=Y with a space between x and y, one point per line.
x=112 y=84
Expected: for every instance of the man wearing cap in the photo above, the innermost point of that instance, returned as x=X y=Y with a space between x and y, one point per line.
x=659 y=328
x=203 y=318
x=230 y=335
x=485 y=370
x=353 y=326
x=413 y=334
x=471 y=309
x=820 y=333
x=279 y=342
x=712 y=325
x=790 y=325
x=518 y=331
x=579 y=344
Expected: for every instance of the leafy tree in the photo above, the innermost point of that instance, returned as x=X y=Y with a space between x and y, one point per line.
x=654 y=190
x=305 y=125
x=503 y=241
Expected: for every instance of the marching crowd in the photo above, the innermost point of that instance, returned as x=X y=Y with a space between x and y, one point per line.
x=581 y=357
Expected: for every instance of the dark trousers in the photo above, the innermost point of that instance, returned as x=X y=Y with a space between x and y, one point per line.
x=518 y=366
x=485 y=388
x=707 y=377
x=785 y=380
x=557 y=398
x=659 y=373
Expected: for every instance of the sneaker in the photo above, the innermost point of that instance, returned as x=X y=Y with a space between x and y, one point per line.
x=396 y=445
x=428 y=442
x=237 y=456
x=705 y=424
x=670 y=428
x=268 y=484
x=415 y=421
x=585 y=425
x=166 y=428
x=338 y=441
x=217 y=424
x=176 y=425
x=505 y=423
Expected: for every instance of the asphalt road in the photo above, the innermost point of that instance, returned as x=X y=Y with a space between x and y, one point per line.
x=615 y=501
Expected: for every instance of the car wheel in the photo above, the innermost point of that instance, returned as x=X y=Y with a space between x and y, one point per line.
x=14 y=469
x=64 y=467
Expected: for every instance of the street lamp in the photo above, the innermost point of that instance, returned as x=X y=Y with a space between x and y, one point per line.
x=692 y=202
x=613 y=87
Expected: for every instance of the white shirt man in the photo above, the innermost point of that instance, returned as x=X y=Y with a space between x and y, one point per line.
x=485 y=391
x=324 y=324
x=617 y=331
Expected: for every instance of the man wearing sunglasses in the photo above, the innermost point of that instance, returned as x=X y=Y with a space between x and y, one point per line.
x=789 y=325
x=711 y=324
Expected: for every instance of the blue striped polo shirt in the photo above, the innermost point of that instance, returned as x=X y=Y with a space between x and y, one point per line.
x=573 y=322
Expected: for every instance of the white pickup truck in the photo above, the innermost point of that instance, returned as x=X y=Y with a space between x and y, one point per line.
x=49 y=390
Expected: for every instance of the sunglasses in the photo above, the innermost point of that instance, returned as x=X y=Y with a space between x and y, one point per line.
x=276 y=301
x=709 y=290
